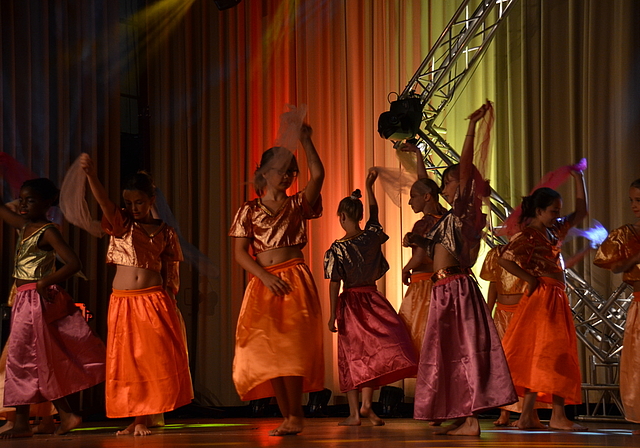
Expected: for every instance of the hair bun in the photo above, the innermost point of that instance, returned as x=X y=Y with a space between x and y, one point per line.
x=356 y=194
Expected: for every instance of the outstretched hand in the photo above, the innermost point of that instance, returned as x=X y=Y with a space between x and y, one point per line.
x=87 y=165
x=479 y=113
x=371 y=177
x=305 y=132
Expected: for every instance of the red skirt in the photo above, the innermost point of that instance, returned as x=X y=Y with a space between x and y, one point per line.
x=540 y=345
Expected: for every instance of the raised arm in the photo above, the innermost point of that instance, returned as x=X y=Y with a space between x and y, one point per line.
x=10 y=215
x=466 y=158
x=371 y=197
x=316 y=169
x=420 y=166
x=582 y=209
x=99 y=192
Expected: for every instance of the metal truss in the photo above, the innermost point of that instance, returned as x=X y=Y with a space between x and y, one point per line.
x=599 y=322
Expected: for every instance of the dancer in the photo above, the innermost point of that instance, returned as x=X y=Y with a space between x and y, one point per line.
x=505 y=291
x=416 y=274
x=279 y=333
x=52 y=351
x=147 y=363
x=620 y=252
x=462 y=367
x=374 y=347
x=540 y=343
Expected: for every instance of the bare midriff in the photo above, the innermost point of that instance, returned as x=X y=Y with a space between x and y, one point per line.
x=130 y=277
x=443 y=259
x=509 y=299
x=277 y=256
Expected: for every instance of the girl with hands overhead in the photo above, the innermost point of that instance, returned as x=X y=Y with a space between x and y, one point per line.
x=279 y=333
x=374 y=347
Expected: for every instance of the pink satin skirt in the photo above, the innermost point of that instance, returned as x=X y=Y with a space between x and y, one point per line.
x=52 y=351
x=414 y=310
x=462 y=368
x=630 y=363
x=279 y=336
x=374 y=347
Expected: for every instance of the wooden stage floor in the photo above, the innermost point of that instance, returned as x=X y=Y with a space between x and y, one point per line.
x=324 y=433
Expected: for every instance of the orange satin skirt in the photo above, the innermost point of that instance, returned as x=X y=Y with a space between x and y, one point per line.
x=279 y=336
x=414 y=310
x=630 y=363
x=502 y=318
x=541 y=347
x=147 y=361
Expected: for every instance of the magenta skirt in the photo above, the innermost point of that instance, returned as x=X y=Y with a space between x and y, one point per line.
x=52 y=351
x=374 y=346
x=462 y=369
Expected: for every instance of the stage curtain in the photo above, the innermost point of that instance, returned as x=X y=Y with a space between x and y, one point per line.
x=59 y=76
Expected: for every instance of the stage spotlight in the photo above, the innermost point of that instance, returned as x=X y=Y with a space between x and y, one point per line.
x=402 y=121
x=226 y=4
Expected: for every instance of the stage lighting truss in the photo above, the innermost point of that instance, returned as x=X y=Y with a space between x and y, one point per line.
x=450 y=62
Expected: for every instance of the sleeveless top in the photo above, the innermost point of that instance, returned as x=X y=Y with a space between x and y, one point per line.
x=31 y=262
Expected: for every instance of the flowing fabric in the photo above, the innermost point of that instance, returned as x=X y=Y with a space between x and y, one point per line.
x=290 y=124
x=73 y=203
x=414 y=310
x=395 y=182
x=462 y=369
x=552 y=180
x=52 y=351
x=630 y=363
x=279 y=336
x=147 y=362
x=540 y=345
x=374 y=347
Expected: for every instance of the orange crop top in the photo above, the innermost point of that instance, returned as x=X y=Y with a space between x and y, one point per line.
x=268 y=230
x=620 y=245
x=131 y=245
x=506 y=282
x=536 y=253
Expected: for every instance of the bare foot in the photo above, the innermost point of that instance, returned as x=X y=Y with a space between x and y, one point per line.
x=636 y=432
x=350 y=421
x=70 y=422
x=290 y=427
x=565 y=424
x=16 y=433
x=470 y=427
x=436 y=422
x=368 y=413
x=46 y=426
x=445 y=429
x=137 y=429
x=503 y=420
x=155 y=420
x=6 y=427
x=529 y=423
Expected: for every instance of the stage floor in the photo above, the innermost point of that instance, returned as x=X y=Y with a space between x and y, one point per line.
x=326 y=434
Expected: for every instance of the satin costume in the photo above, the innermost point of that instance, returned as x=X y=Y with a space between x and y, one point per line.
x=147 y=360
x=462 y=368
x=51 y=352
x=374 y=346
x=506 y=284
x=620 y=245
x=414 y=310
x=278 y=336
x=540 y=343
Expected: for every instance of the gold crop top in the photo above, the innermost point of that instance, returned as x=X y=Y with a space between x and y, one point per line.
x=536 y=253
x=620 y=245
x=506 y=282
x=131 y=245
x=31 y=262
x=268 y=230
